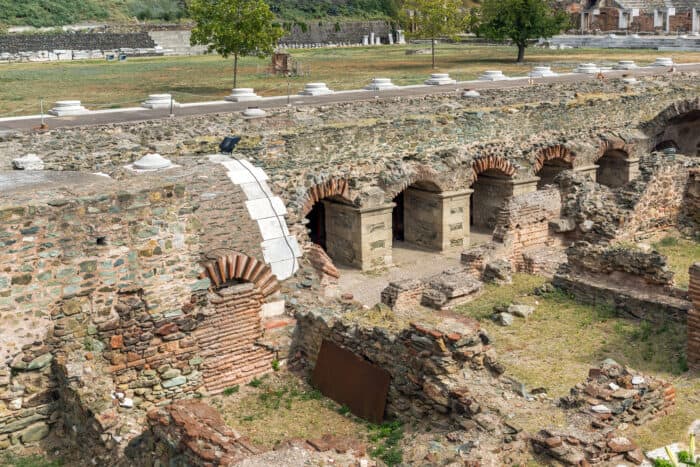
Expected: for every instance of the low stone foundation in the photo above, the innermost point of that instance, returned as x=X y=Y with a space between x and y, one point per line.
x=694 y=318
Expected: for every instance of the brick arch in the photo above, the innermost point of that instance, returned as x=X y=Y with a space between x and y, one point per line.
x=482 y=164
x=420 y=174
x=224 y=266
x=652 y=128
x=553 y=152
x=334 y=187
x=607 y=145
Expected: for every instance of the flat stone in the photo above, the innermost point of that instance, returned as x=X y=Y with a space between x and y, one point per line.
x=621 y=444
x=504 y=319
x=40 y=362
x=171 y=373
x=601 y=409
x=637 y=380
x=177 y=381
x=522 y=311
x=35 y=432
x=28 y=162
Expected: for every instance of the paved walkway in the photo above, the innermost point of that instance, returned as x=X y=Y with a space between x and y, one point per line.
x=409 y=263
x=119 y=116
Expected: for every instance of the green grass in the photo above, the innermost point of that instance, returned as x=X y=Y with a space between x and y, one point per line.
x=34 y=460
x=101 y=84
x=557 y=345
x=680 y=253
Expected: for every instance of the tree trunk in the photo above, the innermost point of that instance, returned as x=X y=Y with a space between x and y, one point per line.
x=521 y=53
x=432 y=43
x=235 y=69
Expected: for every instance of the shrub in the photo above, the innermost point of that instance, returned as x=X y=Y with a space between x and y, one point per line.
x=166 y=10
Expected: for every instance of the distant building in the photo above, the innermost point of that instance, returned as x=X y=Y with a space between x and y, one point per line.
x=649 y=16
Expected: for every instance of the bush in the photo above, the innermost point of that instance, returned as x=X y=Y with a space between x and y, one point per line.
x=166 y=10
x=41 y=13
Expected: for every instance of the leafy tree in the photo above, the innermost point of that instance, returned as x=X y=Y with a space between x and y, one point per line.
x=431 y=19
x=235 y=27
x=521 y=21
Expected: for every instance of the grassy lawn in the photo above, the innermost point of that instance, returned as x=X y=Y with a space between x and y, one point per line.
x=681 y=253
x=281 y=406
x=101 y=84
x=557 y=345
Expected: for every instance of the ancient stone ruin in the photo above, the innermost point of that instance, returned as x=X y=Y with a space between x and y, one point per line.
x=132 y=295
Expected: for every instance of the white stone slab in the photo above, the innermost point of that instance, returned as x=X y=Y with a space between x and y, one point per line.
x=440 y=79
x=273 y=227
x=663 y=61
x=625 y=65
x=72 y=107
x=152 y=162
x=28 y=162
x=284 y=269
x=541 y=71
x=280 y=249
x=492 y=75
x=272 y=309
x=262 y=208
x=588 y=68
x=380 y=84
x=254 y=112
x=159 y=101
x=239 y=176
x=242 y=95
x=315 y=89
x=256 y=190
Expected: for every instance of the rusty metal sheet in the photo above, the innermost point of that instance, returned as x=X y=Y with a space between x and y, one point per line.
x=350 y=380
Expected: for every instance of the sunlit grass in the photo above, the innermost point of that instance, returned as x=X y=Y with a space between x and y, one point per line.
x=101 y=84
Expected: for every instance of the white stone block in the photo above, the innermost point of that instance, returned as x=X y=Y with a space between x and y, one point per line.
x=242 y=95
x=380 y=84
x=280 y=249
x=285 y=268
x=244 y=175
x=492 y=75
x=541 y=72
x=152 y=162
x=159 y=101
x=256 y=190
x=272 y=309
x=439 y=79
x=625 y=65
x=267 y=207
x=62 y=108
x=471 y=93
x=273 y=227
x=315 y=89
x=254 y=112
x=663 y=61
x=28 y=162
x=587 y=68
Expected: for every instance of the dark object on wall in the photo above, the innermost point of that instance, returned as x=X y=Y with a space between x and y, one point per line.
x=351 y=381
x=229 y=144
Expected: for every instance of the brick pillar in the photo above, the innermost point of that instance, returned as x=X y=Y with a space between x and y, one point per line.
x=694 y=318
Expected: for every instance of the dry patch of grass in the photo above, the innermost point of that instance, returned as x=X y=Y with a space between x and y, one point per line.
x=681 y=253
x=281 y=406
x=557 y=345
x=101 y=84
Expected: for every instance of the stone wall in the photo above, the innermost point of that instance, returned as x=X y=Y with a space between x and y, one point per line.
x=691 y=205
x=91 y=266
x=321 y=32
x=694 y=318
x=432 y=368
x=627 y=279
x=14 y=43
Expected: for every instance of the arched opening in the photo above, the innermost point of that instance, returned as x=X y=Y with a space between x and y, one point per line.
x=550 y=169
x=682 y=133
x=233 y=322
x=316 y=224
x=667 y=144
x=416 y=218
x=612 y=169
x=492 y=188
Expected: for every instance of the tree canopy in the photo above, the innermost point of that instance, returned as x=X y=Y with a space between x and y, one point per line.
x=520 y=21
x=235 y=27
x=432 y=19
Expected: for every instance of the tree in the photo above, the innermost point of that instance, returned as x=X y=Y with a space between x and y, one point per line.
x=235 y=27
x=431 y=19
x=521 y=21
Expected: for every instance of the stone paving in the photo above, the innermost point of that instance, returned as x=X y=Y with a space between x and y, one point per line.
x=409 y=263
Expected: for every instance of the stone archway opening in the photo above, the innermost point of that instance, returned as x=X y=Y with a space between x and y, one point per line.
x=491 y=190
x=231 y=325
x=613 y=168
x=550 y=169
x=683 y=132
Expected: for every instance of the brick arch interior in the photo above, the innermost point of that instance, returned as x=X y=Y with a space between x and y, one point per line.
x=550 y=162
x=677 y=126
x=314 y=209
x=492 y=187
x=414 y=217
x=232 y=321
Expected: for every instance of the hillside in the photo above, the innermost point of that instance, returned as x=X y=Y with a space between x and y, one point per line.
x=42 y=13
